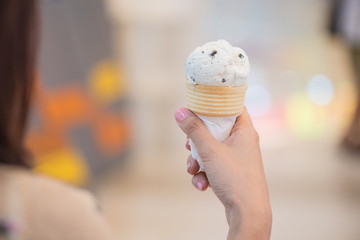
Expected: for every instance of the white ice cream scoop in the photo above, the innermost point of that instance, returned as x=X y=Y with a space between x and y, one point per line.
x=217 y=64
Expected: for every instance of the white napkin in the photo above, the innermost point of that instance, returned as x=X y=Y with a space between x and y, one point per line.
x=220 y=128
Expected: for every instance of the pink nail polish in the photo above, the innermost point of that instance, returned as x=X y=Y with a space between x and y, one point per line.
x=181 y=114
x=199 y=185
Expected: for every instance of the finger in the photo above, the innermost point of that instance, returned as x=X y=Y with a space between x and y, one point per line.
x=243 y=126
x=200 y=181
x=196 y=130
x=242 y=121
x=192 y=165
x=187 y=145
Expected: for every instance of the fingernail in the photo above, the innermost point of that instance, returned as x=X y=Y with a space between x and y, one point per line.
x=181 y=114
x=188 y=166
x=199 y=185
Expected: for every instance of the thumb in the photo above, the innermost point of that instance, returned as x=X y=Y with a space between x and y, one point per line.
x=244 y=127
x=242 y=121
x=196 y=130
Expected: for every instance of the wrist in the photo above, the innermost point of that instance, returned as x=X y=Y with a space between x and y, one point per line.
x=249 y=223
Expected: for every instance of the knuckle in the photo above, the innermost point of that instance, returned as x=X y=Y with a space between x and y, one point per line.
x=193 y=126
x=253 y=134
x=236 y=128
x=210 y=153
x=256 y=135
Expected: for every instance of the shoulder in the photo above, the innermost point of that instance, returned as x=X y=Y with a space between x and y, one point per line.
x=46 y=190
x=38 y=189
x=49 y=207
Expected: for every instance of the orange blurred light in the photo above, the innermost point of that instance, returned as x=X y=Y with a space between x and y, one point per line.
x=112 y=133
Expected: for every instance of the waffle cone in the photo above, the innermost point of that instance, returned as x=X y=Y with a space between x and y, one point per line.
x=215 y=101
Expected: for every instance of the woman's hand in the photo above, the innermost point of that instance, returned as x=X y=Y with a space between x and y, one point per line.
x=234 y=170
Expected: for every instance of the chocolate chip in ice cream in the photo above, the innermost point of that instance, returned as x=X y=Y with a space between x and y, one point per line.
x=223 y=80
x=213 y=53
x=241 y=56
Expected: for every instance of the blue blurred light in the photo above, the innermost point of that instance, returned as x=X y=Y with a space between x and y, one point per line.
x=320 y=90
x=258 y=100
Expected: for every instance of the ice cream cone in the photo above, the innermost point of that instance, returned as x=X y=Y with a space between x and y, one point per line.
x=215 y=101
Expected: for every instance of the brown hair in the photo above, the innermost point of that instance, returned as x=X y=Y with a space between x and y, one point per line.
x=18 y=40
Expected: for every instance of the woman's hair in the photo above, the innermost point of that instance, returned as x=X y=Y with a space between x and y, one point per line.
x=18 y=45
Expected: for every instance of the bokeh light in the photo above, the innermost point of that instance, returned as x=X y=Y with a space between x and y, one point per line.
x=305 y=120
x=320 y=90
x=258 y=100
x=65 y=164
x=106 y=82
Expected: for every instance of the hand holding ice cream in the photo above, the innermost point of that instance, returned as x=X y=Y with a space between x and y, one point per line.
x=216 y=80
x=235 y=173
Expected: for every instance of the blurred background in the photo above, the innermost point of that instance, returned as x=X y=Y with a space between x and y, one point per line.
x=111 y=74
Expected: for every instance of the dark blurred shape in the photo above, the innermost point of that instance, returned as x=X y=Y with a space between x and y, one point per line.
x=4 y=228
x=345 y=22
x=18 y=40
